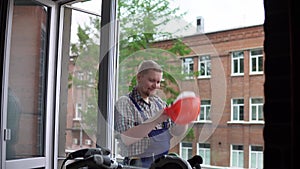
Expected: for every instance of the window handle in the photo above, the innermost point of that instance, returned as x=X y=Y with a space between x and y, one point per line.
x=7 y=134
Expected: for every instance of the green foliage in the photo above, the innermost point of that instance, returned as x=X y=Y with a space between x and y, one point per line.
x=190 y=135
x=141 y=23
x=85 y=75
x=179 y=48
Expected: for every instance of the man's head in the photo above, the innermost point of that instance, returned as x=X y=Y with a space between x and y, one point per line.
x=149 y=76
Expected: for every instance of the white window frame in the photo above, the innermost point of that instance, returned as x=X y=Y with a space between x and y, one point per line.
x=240 y=63
x=258 y=107
x=184 y=150
x=206 y=152
x=240 y=156
x=238 y=107
x=257 y=59
x=75 y=141
x=258 y=157
x=80 y=77
x=186 y=67
x=46 y=160
x=205 y=111
x=206 y=61
x=91 y=79
x=78 y=114
x=88 y=142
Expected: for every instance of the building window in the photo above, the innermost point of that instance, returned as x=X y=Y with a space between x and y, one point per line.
x=78 y=81
x=237 y=156
x=78 y=110
x=80 y=75
x=88 y=142
x=237 y=63
x=256 y=157
x=90 y=107
x=186 y=150
x=188 y=67
x=204 y=111
x=204 y=152
x=256 y=109
x=256 y=61
x=237 y=110
x=90 y=79
x=204 y=66
x=75 y=141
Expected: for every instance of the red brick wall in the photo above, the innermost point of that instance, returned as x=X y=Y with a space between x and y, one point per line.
x=220 y=45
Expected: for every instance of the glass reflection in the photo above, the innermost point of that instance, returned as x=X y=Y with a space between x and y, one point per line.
x=27 y=80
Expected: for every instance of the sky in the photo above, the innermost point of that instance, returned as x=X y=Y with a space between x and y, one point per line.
x=217 y=14
x=223 y=14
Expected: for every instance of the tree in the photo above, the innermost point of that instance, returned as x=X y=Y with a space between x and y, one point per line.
x=142 y=23
x=84 y=78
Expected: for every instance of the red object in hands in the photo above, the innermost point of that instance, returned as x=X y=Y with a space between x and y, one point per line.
x=185 y=108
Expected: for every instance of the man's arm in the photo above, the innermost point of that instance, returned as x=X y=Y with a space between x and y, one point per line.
x=136 y=133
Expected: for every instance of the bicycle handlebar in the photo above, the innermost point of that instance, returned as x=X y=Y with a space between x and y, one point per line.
x=95 y=161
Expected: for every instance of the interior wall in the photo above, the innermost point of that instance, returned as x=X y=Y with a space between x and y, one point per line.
x=280 y=86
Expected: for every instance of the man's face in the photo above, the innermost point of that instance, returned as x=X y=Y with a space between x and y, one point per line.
x=148 y=82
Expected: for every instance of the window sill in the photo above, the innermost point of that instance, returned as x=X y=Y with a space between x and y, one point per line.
x=203 y=121
x=245 y=122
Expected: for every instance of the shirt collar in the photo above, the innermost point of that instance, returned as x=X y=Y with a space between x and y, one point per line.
x=137 y=96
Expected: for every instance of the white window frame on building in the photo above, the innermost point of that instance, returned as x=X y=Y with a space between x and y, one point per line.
x=204 y=115
x=256 y=61
x=91 y=79
x=237 y=156
x=204 y=66
x=186 y=149
x=256 y=157
x=256 y=110
x=78 y=110
x=203 y=149
x=237 y=107
x=188 y=67
x=237 y=63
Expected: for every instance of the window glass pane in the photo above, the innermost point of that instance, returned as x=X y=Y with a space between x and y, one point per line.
x=132 y=31
x=234 y=159
x=26 y=109
x=241 y=159
x=254 y=112
x=257 y=100
x=256 y=52
x=208 y=113
x=202 y=113
x=260 y=113
x=83 y=23
x=254 y=68
x=235 y=66
x=235 y=113
x=241 y=112
x=260 y=64
x=241 y=65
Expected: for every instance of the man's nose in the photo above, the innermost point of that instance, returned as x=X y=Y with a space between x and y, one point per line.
x=157 y=85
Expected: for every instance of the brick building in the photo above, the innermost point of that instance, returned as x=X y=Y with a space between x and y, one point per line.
x=230 y=79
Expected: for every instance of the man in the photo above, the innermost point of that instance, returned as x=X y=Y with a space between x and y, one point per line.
x=144 y=129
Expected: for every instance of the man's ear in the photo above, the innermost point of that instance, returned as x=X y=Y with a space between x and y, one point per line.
x=138 y=77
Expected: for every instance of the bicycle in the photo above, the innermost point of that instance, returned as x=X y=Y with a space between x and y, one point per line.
x=99 y=158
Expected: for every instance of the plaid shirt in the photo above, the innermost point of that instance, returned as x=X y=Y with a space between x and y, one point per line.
x=127 y=115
